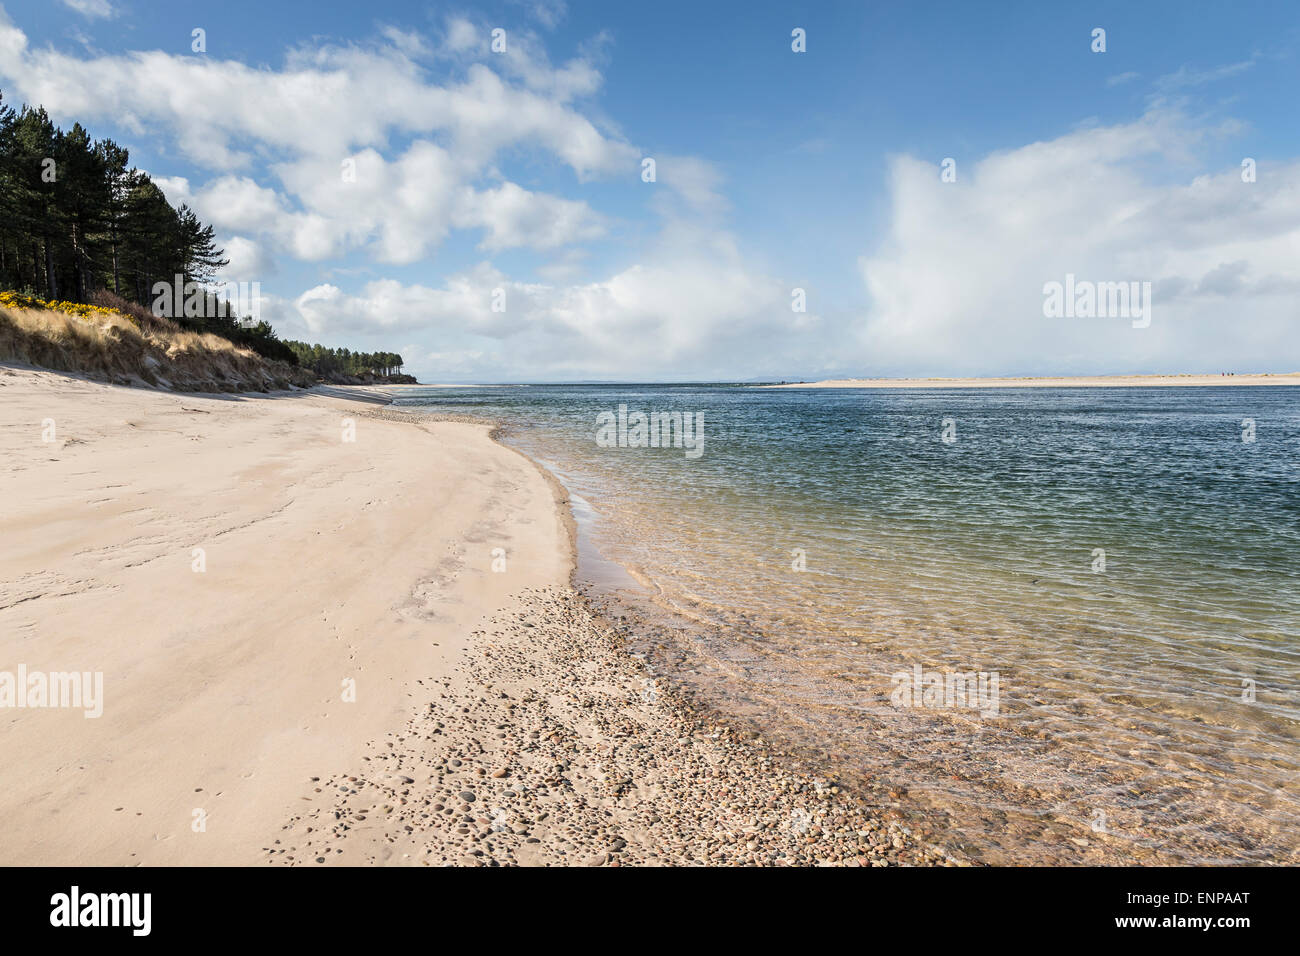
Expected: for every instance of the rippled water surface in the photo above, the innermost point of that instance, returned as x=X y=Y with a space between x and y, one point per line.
x=1122 y=560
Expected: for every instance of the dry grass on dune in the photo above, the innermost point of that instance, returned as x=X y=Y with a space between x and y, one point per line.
x=109 y=345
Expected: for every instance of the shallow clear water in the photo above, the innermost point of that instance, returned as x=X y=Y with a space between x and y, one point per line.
x=1122 y=560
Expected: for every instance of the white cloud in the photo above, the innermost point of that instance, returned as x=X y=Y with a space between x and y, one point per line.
x=93 y=9
x=326 y=102
x=461 y=35
x=693 y=314
x=695 y=182
x=13 y=42
x=408 y=42
x=515 y=217
x=548 y=12
x=1185 y=76
x=248 y=260
x=957 y=287
x=400 y=210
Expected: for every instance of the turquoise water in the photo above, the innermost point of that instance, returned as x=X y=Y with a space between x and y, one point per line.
x=1121 y=558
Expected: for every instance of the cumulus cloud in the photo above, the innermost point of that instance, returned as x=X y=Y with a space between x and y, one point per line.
x=512 y=216
x=957 y=287
x=672 y=317
x=326 y=101
x=400 y=210
x=248 y=260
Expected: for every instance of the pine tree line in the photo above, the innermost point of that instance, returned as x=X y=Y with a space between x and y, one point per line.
x=75 y=217
x=327 y=362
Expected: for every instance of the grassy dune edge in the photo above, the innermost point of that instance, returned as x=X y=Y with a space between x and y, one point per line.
x=111 y=346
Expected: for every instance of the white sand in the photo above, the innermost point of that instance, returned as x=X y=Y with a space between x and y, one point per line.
x=326 y=560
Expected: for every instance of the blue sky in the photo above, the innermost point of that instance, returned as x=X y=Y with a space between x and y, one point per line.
x=777 y=170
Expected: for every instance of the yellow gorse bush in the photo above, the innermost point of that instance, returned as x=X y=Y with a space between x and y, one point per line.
x=16 y=300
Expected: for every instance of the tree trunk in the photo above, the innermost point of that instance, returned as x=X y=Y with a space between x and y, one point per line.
x=49 y=273
x=78 y=267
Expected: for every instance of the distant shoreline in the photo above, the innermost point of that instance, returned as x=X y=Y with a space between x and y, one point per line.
x=1081 y=381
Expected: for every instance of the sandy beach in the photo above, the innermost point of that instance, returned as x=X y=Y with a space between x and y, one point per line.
x=312 y=651
x=1080 y=381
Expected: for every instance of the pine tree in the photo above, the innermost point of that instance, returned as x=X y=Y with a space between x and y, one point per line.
x=199 y=255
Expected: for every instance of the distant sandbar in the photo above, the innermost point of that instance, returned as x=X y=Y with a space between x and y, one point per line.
x=1081 y=381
